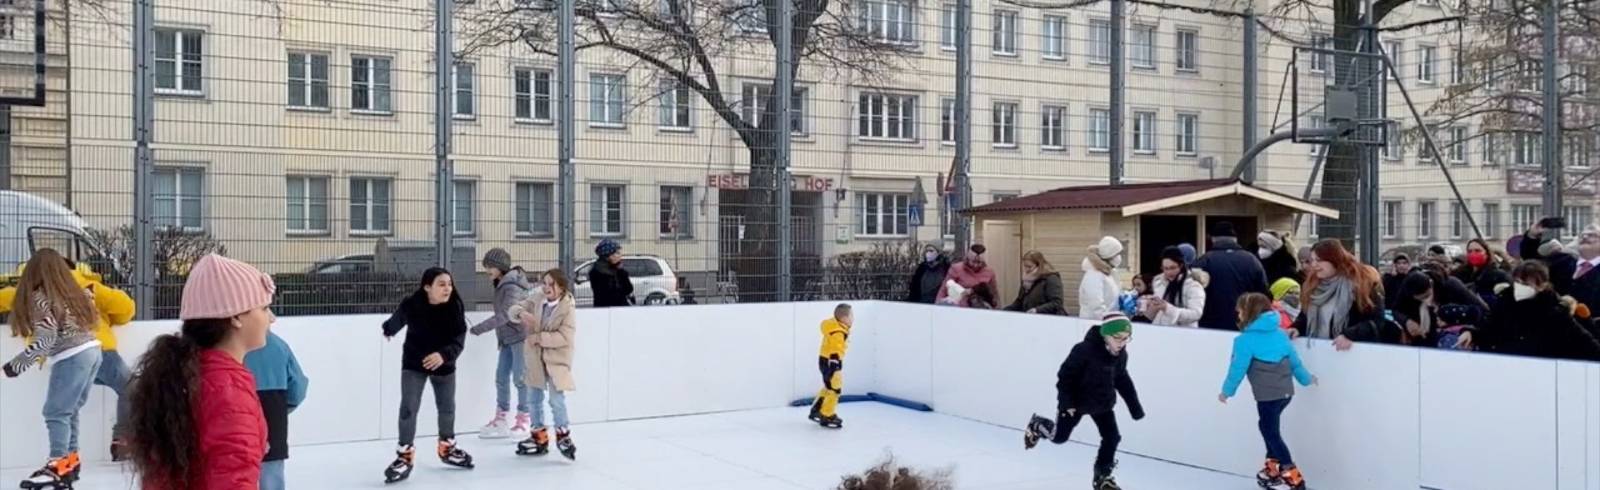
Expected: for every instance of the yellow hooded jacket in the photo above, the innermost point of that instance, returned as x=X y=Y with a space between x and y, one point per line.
x=835 y=339
x=116 y=307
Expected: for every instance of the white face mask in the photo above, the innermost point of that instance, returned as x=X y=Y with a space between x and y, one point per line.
x=1523 y=292
x=1264 y=253
x=930 y=256
x=1116 y=261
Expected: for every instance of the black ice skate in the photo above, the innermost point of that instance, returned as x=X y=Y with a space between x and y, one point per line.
x=454 y=456
x=57 y=474
x=831 y=422
x=1038 y=428
x=1270 y=474
x=816 y=411
x=537 y=444
x=400 y=469
x=565 y=445
x=1103 y=479
x=119 y=450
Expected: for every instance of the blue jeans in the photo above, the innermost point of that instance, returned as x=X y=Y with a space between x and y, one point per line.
x=507 y=372
x=558 y=405
x=272 y=475
x=68 y=391
x=1271 y=413
x=114 y=374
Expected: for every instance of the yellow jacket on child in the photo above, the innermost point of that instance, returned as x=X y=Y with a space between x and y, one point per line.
x=835 y=338
x=116 y=307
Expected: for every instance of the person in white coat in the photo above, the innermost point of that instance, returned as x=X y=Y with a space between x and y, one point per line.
x=1178 y=292
x=1097 y=294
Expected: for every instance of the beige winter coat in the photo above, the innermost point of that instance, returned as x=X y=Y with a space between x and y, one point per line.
x=549 y=346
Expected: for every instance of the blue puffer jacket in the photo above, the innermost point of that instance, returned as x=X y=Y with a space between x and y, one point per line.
x=1262 y=340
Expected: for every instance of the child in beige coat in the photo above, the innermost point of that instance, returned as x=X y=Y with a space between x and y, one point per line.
x=550 y=321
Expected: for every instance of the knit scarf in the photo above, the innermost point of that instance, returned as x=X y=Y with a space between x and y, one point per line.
x=1028 y=279
x=1329 y=311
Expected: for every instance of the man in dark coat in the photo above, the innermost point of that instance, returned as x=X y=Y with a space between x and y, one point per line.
x=1234 y=272
x=1399 y=268
x=607 y=279
x=1586 y=276
x=929 y=277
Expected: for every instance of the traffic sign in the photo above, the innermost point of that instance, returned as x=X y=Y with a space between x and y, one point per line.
x=916 y=214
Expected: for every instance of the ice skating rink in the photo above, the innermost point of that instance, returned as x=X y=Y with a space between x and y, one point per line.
x=769 y=449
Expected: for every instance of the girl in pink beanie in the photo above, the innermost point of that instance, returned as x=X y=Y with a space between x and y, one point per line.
x=196 y=423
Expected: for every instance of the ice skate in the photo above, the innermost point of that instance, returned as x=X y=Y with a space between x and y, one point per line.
x=1103 y=479
x=119 y=450
x=519 y=427
x=816 y=411
x=1038 y=428
x=565 y=445
x=57 y=474
x=537 y=444
x=400 y=469
x=452 y=455
x=831 y=422
x=497 y=428
x=1270 y=474
x=1290 y=480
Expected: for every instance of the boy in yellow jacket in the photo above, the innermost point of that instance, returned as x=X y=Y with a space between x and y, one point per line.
x=116 y=309
x=835 y=340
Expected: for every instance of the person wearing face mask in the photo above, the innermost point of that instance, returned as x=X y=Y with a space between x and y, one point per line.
x=1286 y=301
x=1097 y=293
x=1481 y=271
x=1422 y=295
x=1179 y=292
x=1531 y=320
x=1041 y=287
x=1277 y=256
x=929 y=277
x=968 y=275
x=1234 y=272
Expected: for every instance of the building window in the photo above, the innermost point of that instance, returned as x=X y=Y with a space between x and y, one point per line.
x=179 y=68
x=1578 y=77
x=1527 y=148
x=1188 y=50
x=8 y=26
x=1392 y=149
x=179 y=197
x=306 y=208
x=677 y=105
x=883 y=215
x=606 y=210
x=1391 y=219
x=1314 y=121
x=1319 y=59
x=463 y=201
x=1055 y=38
x=371 y=84
x=676 y=217
x=891 y=21
x=1425 y=152
x=754 y=97
x=1492 y=148
x=947 y=120
x=1578 y=217
x=369 y=205
x=1524 y=216
x=1426 y=59
x=1458 y=220
x=1005 y=32
x=1397 y=57
x=1425 y=219
x=1457 y=152
x=1491 y=220
x=535 y=208
x=534 y=91
x=1142 y=46
x=886 y=116
x=1099 y=130
x=607 y=99
x=1144 y=132
x=1053 y=131
x=1188 y=134
x=1458 y=69
x=466 y=106
x=1005 y=124
x=1099 y=41
x=308 y=80
x=947 y=27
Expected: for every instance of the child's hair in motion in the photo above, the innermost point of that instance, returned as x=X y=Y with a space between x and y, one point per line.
x=50 y=274
x=1251 y=306
x=560 y=278
x=841 y=311
x=886 y=475
x=161 y=423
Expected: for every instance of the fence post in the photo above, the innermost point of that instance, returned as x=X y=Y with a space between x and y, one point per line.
x=143 y=123
x=443 y=113
x=784 y=96
x=1552 y=111
x=963 y=184
x=1251 y=52
x=566 y=249
x=1118 y=89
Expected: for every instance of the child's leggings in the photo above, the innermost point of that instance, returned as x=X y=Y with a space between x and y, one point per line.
x=1271 y=433
x=832 y=386
x=1109 y=436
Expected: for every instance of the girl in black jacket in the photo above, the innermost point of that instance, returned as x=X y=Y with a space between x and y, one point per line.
x=1531 y=320
x=1087 y=385
x=438 y=332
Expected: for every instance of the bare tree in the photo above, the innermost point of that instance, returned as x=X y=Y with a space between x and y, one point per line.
x=687 y=43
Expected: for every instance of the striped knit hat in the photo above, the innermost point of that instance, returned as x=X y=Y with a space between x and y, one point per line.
x=1115 y=323
x=220 y=287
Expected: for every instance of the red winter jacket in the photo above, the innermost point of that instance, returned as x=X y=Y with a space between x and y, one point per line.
x=230 y=429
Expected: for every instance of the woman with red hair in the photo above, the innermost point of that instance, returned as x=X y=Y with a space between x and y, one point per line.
x=1343 y=298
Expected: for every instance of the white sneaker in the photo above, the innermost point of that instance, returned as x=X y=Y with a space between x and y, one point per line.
x=499 y=428
x=519 y=428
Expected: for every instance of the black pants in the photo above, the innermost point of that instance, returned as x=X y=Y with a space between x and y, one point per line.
x=1109 y=436
x=1272 y=432
x=444 y=400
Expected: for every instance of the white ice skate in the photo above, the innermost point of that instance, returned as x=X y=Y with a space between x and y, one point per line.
x=519 y=428
x=499 y=428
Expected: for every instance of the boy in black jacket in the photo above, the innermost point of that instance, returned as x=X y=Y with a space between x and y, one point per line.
x=1087 y=385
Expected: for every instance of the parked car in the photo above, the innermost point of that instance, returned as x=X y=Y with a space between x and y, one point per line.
x=654 y=283
x=343 y=265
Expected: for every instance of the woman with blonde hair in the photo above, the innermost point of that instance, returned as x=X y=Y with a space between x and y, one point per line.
x=58 y=317
x=1041 y=287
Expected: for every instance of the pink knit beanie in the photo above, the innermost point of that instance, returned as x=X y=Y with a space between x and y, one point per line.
x=220 y=287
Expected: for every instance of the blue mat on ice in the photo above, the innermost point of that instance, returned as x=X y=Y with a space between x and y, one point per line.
x=872 y=397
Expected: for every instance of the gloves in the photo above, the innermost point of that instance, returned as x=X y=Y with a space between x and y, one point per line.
x=1137 y=412
x=10 y=373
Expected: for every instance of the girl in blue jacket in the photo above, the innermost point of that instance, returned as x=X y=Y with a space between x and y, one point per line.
x=1262 y=352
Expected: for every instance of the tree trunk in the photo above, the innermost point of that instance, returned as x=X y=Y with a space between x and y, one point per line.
x=758 y=264
x=1342 y=171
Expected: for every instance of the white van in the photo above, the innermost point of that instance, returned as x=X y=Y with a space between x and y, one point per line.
x=29 y=223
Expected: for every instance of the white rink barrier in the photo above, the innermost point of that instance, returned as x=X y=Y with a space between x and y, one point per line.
x=1382 y=417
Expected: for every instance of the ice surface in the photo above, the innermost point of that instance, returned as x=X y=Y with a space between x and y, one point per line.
x=773 y=449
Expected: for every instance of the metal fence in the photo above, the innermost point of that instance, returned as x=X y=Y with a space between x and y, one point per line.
x=308 y=137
